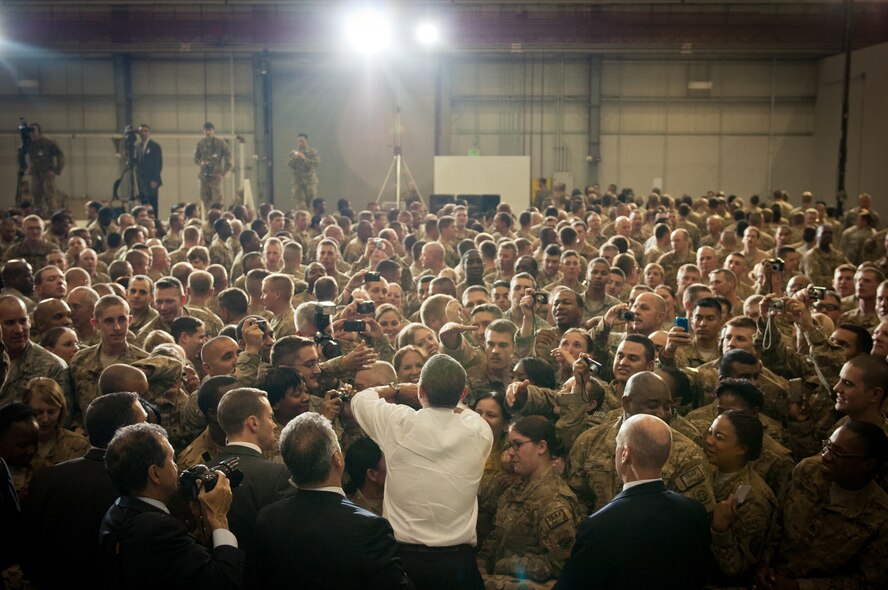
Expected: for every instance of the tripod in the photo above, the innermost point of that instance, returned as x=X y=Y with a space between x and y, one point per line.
x=398 y=162
x=25 y=133
x=126 y=188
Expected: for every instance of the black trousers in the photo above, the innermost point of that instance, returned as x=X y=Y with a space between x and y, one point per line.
x=441 y=568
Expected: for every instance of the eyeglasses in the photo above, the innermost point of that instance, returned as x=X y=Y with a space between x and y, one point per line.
x=826 y=307
x=516 y=444
x=829 y=448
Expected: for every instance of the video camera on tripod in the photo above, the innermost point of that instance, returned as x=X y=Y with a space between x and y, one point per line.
x=126 y=188
x=24 y=130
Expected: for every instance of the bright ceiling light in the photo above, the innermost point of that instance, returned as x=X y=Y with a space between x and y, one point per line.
x=368 y=31
x=427 y=33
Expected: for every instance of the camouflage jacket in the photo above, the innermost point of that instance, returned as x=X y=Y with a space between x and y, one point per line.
x=825 y=545
x=739 y=548
x=86 y=367
x=534 y=529
x=592 y=475
x=35 y=361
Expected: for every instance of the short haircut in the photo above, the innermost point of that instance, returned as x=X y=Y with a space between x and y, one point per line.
x=108 y=413
x=131 y=452
x=443 y=379
x=490 y=308
x=433 y=308
x=236 y=406
x=864 y=338
x=169 y=283
x=874 y=370
x=875 y=442
x=650 y=351
x=742 y=321
x=501 y=326
x=710 y=302
x=734 y=357
x=278 y=381
x=13 y=413
x=200 y=282
x=307 y=445
x=234 y=300
x=362 y=455
x=749 y=432
x=284 y=351
x=743 y=389
x=184 y=325
x=208 y=395
x=106 y=301
x=280 y=282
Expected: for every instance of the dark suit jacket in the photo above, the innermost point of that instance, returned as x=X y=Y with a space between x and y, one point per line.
x=316 y=540
x=144 y=547
x=265 y=482
x=646 y=537
x=66 y=504
x=150 y=165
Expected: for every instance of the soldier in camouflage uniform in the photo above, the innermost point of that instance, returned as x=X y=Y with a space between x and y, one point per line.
x=46 y=162
x=831 y=526
x=33 y=249
x=819 y=263
x=214 y=158
x=536 y=520
x=24 y=358
x=591 y=473
x=303 y=162
x=738 y=529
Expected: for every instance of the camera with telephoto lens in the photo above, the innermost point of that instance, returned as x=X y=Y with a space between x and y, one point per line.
x=329 y=347
x=540 y=297
x=817 y=293
x=776 y=264
x=188 y=479
x=627 y=315
x=324 y=311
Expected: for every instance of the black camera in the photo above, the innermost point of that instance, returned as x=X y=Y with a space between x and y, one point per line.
x=262 y=325
x=541 y=298
x=24 y=130
x=366 y=307
x=355 y=325
x=817 y=293
x=188 y=479
x=329 y=347
x=777 y=264
x=345 y=396
x=322 y=317
x=627 y=315
x=371 y=277
x=777 y=305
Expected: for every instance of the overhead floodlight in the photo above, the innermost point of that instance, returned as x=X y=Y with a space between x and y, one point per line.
x=427 y=33
x=368 y=31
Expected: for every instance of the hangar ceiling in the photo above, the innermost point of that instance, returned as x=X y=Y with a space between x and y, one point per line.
x=685 y=29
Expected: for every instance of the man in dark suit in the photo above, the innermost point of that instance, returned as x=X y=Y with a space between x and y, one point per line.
x=647 y=536
x=318 y=539
x=248 y=421
x=66 y=502
x=149 y=163
x=141 y=545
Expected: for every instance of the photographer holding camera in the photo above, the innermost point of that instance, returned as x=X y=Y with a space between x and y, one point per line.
x=141 y=544
x=214 y=158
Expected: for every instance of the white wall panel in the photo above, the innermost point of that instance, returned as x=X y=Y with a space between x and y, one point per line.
x=692 y=164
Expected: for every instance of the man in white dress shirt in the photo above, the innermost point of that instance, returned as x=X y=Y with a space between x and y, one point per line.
x=435 y=458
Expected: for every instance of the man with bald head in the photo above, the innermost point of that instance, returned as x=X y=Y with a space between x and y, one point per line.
x=49 y=314
x=219 y=356
x=642 y=516
x=120 y=377
x=26 y=359
x=82 y=301
x=18 y=280
x=431 y=259
x=592 y=473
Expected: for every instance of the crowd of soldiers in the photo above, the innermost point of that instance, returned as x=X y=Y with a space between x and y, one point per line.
x=740 y=324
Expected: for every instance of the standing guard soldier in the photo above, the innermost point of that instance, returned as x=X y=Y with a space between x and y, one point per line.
x=304 y=162
x=46 y=162
x=214 y=158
